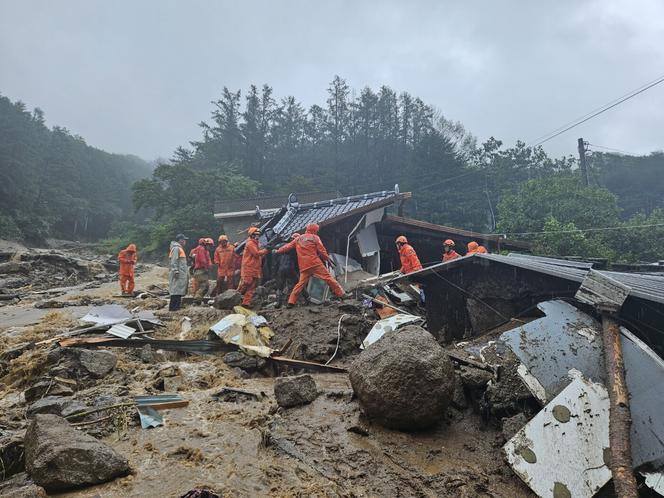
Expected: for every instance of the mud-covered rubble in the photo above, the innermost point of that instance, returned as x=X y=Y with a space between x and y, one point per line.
x=235 y=435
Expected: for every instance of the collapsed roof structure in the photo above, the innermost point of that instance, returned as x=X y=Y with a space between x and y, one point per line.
x=473 y=294
x=361 y=227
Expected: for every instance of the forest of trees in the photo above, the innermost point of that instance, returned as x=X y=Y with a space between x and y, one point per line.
x=54 y=185
x=258 y=144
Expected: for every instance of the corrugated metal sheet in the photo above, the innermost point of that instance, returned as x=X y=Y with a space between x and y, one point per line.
x=645 y=286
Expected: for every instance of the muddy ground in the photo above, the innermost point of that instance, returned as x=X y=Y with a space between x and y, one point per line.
x=250 y=447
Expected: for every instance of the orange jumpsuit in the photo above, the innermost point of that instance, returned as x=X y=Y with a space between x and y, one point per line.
x=449 y=256
x=409 y=260
x=251 y=270
x=127 y=259
x=310 y=253
x=225 y=259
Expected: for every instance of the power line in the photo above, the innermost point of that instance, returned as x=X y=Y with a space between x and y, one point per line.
x=615 y=150
x=597 y=112
x=628 y=227
x=594 y=110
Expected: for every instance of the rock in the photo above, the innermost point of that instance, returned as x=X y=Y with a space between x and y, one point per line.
x=16 y=351
x=56 y=405
x=52 y=387
x=78 y=362
x=474 y=378
x=173 y=384
x=49 y=304
x=11 y=453
x=405 y=380
x=97 y=363
x=294 y=391
x=240 y=360
x=512 y=425
x=227 y=299
x=57 y=456
x=21 y=486
x=240 y=373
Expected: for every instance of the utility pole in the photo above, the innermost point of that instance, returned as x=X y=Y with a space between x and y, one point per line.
x=582 y=161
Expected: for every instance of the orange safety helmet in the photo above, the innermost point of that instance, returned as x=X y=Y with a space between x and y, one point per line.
x=401 y=239
x=472 y=246
x=201 y=241
x=449 y=242
x=131 y=248
x=312 y=228
x=208 y=240
x=222 y=237
x=253 y=230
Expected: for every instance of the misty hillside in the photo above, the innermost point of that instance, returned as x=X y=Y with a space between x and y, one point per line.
x=54 y=184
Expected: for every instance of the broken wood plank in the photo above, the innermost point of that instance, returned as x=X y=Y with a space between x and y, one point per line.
x=166 y=404
x=306 y=364
x=468 y=361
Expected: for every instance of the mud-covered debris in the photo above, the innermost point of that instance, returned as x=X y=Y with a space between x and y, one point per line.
x=404 y=381
x=200 y=493
x=474 y=378
x=49 y=304
x=21 y=486
x=16 y=351
x=79 y=362
x=49 y=386
x=55 y=405
x=57 y=456
x=227 y=300
x=237 y=359
x=459 y=400
x=295 y=391
x=512 y=425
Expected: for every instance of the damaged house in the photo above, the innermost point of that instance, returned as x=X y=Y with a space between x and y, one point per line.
x=362 y=227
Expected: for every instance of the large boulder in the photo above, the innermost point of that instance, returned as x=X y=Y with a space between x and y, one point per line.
x=79 y=362
x=57 y=456
x=404 y=380
x=227 y=299
x=294 y=391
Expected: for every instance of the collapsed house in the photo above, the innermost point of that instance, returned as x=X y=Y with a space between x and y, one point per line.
x=363 y=228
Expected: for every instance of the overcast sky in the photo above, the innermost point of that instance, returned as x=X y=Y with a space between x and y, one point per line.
x=136 y=76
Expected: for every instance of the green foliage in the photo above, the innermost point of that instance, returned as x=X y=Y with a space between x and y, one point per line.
x=182 y=196
x=54 y=184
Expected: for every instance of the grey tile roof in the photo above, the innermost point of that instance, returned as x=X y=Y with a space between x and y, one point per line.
x=268 y=203
x=298 y=216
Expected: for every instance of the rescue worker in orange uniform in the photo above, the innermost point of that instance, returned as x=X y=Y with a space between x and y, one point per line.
x=201 y=263
x=409 y=260
x=448 y=251
x=127 y=259
x=474 y=247
x=310 y=256
x=251 y=270
x=224 y=258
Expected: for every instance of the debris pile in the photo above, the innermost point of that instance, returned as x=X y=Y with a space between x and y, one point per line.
x=361 y=397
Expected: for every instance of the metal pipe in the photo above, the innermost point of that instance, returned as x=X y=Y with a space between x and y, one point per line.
x=620 y=418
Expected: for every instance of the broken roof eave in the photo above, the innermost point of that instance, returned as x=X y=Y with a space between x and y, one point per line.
x=443 y=229
x=654 y=293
